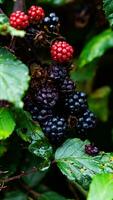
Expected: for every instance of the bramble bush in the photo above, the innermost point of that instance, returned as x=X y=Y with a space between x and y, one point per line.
x=56 y=92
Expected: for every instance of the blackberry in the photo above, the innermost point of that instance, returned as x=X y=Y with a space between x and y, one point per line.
x=86 y=122
x=67 y=85
x=51 y=23
x=61 y=51
x=76 y=102
x=55 y=129
x=91 y=150
x=19 y=20
x=57 y=72
x=43 y=115
x=46 y=96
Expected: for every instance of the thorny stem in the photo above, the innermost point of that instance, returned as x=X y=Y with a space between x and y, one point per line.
x=6 y=180
x=18 y=5
x=30 y=191
x=1 y=11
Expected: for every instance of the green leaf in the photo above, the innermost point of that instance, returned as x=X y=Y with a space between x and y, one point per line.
x=55 y=2
x=7 y=123
x=96 y=47
x=39 y=144
x=98 y=103
x=42 y=149
x=5 y=27
x=3 y=19
x=32 y=179
x=2 y=1
x=15 y=195
x=101 y=187
x=14 y=78
x=26 y=128
x=51 y=196
x=80 y=167
x=83 y=74
x=108 y=8
x=3 y=147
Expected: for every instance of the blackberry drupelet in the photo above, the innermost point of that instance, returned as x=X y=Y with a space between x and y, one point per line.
x=91 y=150
x=55 y=129
x=76 y=102
x=44 y=115
x=57 y=72
x=51 y=23
x=67 y=85
x=86 y=122
x=46 y=96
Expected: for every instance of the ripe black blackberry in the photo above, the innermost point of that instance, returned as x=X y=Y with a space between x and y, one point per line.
x=55 y=129
x=91 y=150
x=51 y=23
x=46 y=96
x=44 y=115
x=57 y=72
x=86 y=122
x=76 y=102
x=67 y=85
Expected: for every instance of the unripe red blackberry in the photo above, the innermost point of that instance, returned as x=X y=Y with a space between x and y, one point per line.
x=35 y=14
x=19 y=20
x=61 y=51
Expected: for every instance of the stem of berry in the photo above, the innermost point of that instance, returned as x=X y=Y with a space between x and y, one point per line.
x=12 y=44
x=19 y=5
x=1 y=11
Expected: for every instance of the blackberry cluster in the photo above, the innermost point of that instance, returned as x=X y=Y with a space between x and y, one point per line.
x=56 y=101
x=52 y=99
x=51 y=23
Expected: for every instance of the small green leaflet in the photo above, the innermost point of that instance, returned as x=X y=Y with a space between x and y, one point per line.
x=101 y=187
x=98 y=102
x=80 y=167
x=108 y=8
x=7 y=123
x=14 y=78
x=96 y=47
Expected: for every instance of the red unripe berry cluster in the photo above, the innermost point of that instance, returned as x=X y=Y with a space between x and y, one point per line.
x=35 y=14
x=19 y=20
x=61 y=51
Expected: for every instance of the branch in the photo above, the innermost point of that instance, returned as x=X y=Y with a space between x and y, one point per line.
x=18 y=176
x=19 y=5
x=30 y=191
x=1 y=11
